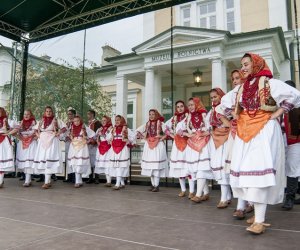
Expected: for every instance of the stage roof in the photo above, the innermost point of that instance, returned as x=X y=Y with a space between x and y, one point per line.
x=37 y=20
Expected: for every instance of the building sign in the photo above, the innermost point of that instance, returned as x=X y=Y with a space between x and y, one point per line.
x=181 y=54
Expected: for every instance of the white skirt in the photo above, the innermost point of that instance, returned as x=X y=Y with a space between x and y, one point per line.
x=197 y=163
x=218 y=157
x=119 y=163
x=177 y=163
x=293 y=160
x=257 y=167
x=6 y=156
x=102 y=163
x=79 y=161
x=48 y=161
x=154 y=159
x=25 y=157
x=228 y=156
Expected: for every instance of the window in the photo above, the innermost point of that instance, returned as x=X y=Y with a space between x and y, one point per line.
x=186 y=16
x=230 y=21
x=229 y=4
x=130 y=115
x=208 y=17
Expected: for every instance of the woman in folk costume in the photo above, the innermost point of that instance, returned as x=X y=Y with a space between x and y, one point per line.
x=102 y=155
x=257 y=165
x=177 y=157
x=292 y=131
x=119 y=153
x=196 y=155
x=26 y=147
x=226 y=101
x=66 y=138
x=218 y=146
x=47 y=158
x=154 y=157
x=78 y=156
x=6 y=150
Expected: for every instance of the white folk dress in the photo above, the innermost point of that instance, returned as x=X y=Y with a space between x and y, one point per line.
x=102 y=154
x=119 y=152
x=154 y=157
x=258 y=166
x=217 y=154
x=6 y=150
x=48 y=158
x=78 y=156
x=26 y=148
x=197 y=161
x=178 y=156
x=222 y=109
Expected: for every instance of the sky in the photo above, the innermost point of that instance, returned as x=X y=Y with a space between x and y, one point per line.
x=121 y=35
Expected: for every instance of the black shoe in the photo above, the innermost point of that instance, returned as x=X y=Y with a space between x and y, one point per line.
x=288 y=204
x=97 y=179
x=155 y=189
x=297 y=201
x=90 y=181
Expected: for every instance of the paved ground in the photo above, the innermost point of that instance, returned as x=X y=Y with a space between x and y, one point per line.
x=95 y=217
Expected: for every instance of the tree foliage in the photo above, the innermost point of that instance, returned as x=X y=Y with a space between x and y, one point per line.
x=60 y=86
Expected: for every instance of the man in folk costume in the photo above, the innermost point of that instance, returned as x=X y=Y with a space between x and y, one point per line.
x=26 y=146
x=292 y=132
x=47 y=160
x=226 y=101
x=218 y=146
x=102 y=155
x=94 y=125
x=177 y=157
x=119 y=152
x=196 y=155
x=154 y=157
x=257 y=167
x=6 y=150
x=78 y=157
x=71 y=114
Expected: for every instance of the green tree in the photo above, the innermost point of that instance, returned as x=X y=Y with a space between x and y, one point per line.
x=60 y=86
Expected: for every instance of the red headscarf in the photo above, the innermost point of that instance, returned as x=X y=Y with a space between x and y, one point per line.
x=239 y=72
x=158 y=116
x=213 y=118
x=47 y=120
x=119 y=128
x=196 y=116
x=3 y=116
x=250 y=97
x=180 y=116
x=77 y=129
x=107 y=125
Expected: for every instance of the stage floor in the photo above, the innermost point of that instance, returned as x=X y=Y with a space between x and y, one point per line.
x=95 y=217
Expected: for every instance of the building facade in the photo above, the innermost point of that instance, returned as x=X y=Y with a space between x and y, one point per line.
x=209 y=35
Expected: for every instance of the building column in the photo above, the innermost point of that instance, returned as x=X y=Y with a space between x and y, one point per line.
x=149 y=92
x=122 y=96
x=285 y=71
x=157 y=92
x=269 y=61
x=218 y=74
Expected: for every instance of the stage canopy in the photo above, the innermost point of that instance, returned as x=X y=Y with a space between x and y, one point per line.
x=37 y=20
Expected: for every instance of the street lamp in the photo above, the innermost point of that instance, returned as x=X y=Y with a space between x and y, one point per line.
x=197 y=77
